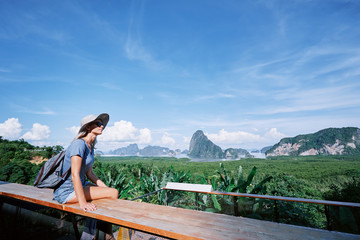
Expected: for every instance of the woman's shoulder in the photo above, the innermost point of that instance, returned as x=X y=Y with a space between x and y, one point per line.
x=78 y=143
x=77 y=147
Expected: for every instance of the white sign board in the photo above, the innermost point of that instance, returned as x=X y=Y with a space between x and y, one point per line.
x=189 y=187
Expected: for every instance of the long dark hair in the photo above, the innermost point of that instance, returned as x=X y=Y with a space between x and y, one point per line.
x=83 y=134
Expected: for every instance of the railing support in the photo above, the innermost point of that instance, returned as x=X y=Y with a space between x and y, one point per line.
x=236 y=207
x=17 y=218
x=327 y=214
x=197 y=200
x=276 y=209
x=145 y=195
x=166 y=198
x=74 y=222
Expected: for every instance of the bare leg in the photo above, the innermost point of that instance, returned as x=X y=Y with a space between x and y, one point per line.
x=95 y=192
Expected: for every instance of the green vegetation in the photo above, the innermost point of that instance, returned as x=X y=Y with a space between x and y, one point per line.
x=347 y=192
x=317 y=170
x=15 y=156
x=320 y=177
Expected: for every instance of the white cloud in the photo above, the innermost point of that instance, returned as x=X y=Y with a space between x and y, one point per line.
x=4 y=70
x=186 y=140
x=274 y=134
x=292 y=100
x=233 y=137
x=167 y=140
x=11 y=128
x=38 y=132
x=145 y=136
x=215 y=96
x=124 y=131
x=134 y=47
x=109 y=86
x=74 y=130
x=244 y=139
x=25 y=109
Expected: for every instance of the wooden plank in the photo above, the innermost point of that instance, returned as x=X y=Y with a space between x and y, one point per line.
x=30 y=194
x=174 y=222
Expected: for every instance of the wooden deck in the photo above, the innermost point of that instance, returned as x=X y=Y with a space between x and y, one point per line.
x=173 y=222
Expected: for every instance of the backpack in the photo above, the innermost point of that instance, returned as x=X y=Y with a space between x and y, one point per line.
x=49 y=174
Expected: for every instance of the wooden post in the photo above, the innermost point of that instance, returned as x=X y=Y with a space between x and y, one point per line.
x=1 y=208
x=17 y=217
x=276 y=211
x=74 y=222
x=327 y=214
x=236 y=207
x=102 y=230
x=197 y=200
x=166 y=198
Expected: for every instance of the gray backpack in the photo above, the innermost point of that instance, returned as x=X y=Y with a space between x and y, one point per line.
x=49 y=175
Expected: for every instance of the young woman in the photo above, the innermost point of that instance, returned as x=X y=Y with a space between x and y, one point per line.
x=79 y=158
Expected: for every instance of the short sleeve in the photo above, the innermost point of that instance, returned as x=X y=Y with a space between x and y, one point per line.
x=77 y=148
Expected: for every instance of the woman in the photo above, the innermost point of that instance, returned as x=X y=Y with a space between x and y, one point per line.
x=79 y=158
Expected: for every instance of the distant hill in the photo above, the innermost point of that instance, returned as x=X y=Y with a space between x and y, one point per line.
x=155 y=151
x=202 y=148
x=131 y=150
x=134 y=150
x=236 y=153
x=330 y=141
x=264 y=149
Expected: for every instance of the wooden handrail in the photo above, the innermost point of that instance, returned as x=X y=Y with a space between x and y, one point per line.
x=289 y=199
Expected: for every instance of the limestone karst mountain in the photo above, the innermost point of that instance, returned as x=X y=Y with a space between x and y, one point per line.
x=201 y=147
x=330 y=141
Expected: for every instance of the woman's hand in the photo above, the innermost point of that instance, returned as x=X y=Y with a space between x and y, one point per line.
x=100 y=183
x=88 y=207
x=92 y=177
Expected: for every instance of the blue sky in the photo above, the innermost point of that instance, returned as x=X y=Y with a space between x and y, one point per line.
x=247 y=73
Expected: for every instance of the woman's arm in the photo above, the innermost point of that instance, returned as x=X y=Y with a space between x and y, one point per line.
x=79 y=190
x=93 y=178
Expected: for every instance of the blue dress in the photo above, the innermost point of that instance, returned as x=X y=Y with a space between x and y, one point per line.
x=66 y=191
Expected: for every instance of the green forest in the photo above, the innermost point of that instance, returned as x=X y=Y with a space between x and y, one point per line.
x=314 y=177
